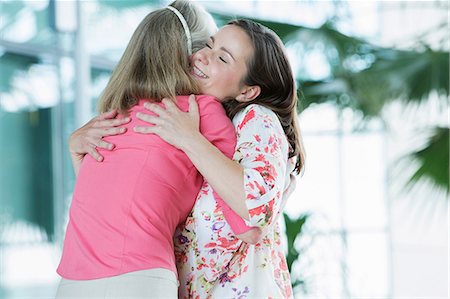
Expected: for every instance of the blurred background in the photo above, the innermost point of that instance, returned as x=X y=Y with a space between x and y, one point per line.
x=369 y=217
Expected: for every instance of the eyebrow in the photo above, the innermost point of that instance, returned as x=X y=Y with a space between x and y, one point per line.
x=222 y=48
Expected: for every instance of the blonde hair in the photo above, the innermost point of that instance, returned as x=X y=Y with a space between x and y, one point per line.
x=155 y=64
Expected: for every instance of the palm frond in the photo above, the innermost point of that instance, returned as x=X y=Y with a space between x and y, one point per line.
x=346 y=45
x=409 y=75
x=294 y=228
x=433 y=160
x=284 y=30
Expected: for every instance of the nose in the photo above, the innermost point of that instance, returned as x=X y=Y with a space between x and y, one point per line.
x=202 y=55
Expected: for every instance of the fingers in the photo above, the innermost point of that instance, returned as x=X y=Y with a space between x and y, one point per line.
x=111 y=122
x=146 y=130
x=170 y=105
x=103 y=144
x=98 y=143
x=158 y=110
x=150 y=118
x=107 y=115
x=193 y=105
x=94 y=154
x=87 y=138
x=96 y=139
x=111 y=131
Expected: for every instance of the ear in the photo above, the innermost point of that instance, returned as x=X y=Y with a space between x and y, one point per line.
x=248 y=93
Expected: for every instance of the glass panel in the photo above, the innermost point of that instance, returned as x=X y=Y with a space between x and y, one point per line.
x=101 y=16
x=27 y=92
x=364 y=179
x=319 y=118
x=26 y=22
x=28 y=253
x=367 y=260
x=317 y=190
x=320 y=266
x=28 y=261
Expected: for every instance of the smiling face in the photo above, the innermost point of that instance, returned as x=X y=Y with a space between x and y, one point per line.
x=220 y=67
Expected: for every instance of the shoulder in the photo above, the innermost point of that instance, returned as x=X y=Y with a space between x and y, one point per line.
x=209 y=105
x=257 y=115
x=206 y=104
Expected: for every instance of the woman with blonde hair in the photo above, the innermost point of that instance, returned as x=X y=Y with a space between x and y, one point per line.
x=124 y=211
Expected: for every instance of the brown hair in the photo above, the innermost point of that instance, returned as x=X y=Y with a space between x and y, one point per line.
x=155 y=64
x=270 y=69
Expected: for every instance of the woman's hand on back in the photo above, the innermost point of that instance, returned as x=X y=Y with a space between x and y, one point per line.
x=85 y=140
x=252 y=236
x=171 y=124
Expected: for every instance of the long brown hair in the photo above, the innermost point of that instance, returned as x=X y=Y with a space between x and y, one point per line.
x=270 y=69
x=155 y=64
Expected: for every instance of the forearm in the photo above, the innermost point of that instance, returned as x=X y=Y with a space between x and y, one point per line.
x=225 y=176
x=76 y=162
x=76 y=152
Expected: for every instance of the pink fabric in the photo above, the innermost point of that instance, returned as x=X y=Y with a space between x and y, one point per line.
x=125 y=209
x=237 y=224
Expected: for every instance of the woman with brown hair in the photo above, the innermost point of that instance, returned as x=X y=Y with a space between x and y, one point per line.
x=212 y=263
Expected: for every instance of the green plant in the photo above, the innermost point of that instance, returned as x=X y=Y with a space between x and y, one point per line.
x=294 y=228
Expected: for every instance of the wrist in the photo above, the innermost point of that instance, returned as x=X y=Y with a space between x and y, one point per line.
x=191 y=142
x=76 y=156
x=72 y=139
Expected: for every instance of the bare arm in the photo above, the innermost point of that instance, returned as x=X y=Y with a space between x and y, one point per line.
x=181 y=130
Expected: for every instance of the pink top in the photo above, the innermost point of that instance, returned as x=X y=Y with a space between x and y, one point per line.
x=125 y=210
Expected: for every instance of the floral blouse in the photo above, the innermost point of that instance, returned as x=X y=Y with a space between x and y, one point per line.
x=212 y=262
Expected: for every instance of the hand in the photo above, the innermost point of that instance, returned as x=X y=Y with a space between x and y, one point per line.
x=88 y=137
x=291 y=187
x=171 y=124
x=255 y=234
x=252 y=236
x=288 y=191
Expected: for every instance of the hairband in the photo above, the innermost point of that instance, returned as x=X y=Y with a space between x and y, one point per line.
x=185 y=26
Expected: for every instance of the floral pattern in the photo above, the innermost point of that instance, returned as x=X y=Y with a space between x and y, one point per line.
x=212 y=262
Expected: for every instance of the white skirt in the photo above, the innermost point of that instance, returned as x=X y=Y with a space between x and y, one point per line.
x=153 y=283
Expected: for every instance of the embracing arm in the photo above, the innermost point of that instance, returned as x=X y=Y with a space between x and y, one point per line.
x=255 y=234
x=223 y=174
x=85 y=139
x=181 y=130
x=254 y=186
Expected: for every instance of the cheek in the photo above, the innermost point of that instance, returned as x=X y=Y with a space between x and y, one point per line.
x=231 y=81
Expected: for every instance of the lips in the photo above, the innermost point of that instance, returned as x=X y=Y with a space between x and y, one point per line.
x=198 y=72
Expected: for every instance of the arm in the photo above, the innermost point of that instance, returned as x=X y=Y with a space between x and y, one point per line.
x=228 y=182
x=263 y=151
x=242 y=231
x=181 y=130
x=217 y=130
x=85 y=139
x=255 y=234
x=255 y=196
